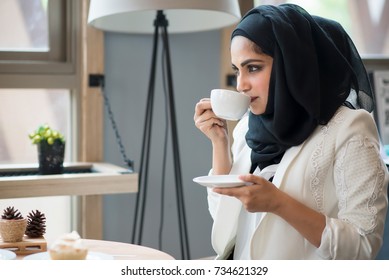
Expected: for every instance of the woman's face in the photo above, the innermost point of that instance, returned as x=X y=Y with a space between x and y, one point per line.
x=252 y=72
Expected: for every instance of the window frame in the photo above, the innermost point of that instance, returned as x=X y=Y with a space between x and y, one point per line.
x=84 y=56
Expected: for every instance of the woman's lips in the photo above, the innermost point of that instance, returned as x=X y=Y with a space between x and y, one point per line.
x=253 y=98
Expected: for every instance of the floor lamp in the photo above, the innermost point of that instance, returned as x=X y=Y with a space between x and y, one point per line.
x=137 y=16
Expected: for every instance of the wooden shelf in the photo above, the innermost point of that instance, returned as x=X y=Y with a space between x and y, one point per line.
x=105 y=179
x=25 y=247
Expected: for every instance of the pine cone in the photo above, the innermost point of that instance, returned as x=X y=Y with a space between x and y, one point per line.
x=36 y=224
x=10 y=213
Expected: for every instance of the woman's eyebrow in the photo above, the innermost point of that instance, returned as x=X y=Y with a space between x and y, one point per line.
x=250 y=61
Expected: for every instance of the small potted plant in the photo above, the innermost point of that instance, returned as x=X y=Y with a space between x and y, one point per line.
x=51 y=149
x=12 y=225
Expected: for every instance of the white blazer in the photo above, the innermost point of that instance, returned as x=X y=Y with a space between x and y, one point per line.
x=337 y=171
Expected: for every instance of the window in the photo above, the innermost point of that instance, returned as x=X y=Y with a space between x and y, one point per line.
x=42 y=39
x=30 y=26
x=29 y=108
x=58 y=76
x=39 y=45
x=29 y=21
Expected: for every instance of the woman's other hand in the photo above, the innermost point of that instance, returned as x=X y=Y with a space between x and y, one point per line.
x=261 y=196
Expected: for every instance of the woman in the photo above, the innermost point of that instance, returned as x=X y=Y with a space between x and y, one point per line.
x=308 y=145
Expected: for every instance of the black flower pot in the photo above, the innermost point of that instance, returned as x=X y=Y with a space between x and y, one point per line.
x=51 y=157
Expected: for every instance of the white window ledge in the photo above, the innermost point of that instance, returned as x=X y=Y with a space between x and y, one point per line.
x=105 y=178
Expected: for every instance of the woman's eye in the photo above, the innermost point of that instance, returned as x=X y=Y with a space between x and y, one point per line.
x=254 y=68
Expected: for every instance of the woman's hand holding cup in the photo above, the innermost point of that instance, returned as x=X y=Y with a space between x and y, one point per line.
x=208 y=123
x=211 y=113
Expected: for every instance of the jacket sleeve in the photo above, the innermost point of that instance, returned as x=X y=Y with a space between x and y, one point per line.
x=241 y=159
x=361 y=180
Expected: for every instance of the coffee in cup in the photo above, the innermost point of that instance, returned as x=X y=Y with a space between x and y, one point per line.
x=228 y=104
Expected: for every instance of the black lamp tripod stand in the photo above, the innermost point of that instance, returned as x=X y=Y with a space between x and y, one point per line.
x=160 y=23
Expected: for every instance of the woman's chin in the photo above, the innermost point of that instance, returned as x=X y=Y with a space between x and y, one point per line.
x=256 y=111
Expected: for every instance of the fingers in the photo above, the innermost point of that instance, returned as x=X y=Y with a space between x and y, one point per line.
x=250 y=178
x=203 y=105
x=207 y=120
x=204 y=117
x=257 y=197
x=241 y=191
x=235 y=191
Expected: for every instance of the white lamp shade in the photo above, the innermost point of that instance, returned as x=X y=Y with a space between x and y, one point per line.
x=137 y=16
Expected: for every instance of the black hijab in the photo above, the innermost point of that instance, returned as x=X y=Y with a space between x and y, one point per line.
x=315 y=66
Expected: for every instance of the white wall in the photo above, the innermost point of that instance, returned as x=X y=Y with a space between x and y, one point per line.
x=195 y=63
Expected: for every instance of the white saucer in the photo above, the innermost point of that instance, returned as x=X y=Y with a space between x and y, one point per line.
x=220 y=181
x=90 y=256
x=7 y=255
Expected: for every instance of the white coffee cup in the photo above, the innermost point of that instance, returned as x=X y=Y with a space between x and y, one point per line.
x=228 y=104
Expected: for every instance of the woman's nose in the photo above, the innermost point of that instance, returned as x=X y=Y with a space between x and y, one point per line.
x=241 y=84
